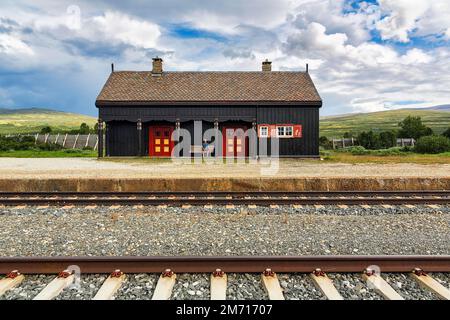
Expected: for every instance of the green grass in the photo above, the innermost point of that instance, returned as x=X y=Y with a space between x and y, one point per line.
x=405 y=157
x=67 y=153
x=336 y=126
x=33 y=122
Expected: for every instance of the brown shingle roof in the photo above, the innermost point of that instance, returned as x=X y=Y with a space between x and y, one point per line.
x=209 y=87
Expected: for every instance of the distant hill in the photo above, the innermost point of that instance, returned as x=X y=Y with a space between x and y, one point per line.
x=436 y=118
x=32 y=120
x=444 y=107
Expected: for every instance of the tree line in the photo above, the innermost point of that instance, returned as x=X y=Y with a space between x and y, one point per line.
x=410 y=127
x=84 y=129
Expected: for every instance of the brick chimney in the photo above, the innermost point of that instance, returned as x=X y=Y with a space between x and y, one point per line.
x=267 y=66
x=157 y=66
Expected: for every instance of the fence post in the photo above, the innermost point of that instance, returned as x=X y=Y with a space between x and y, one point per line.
x=76 y=140
x=343 y=142
x=56 y=140
x=64 y=142
x=87 y=140
x=96 y=144
x=46 y=137
x=333 y=143
x=36 y=138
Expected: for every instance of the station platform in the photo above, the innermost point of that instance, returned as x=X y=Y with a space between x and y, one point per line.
x=80 y=174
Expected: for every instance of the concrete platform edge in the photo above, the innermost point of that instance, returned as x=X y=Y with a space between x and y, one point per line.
x=224 y=184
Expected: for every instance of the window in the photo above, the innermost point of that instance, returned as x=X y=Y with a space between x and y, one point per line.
x=280 y=131
x=285 y=131
x=263 y=131
x=288 y=131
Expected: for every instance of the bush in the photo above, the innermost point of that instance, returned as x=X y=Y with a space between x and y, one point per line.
x=432 y=144
x=388 y=139
x=49 y=146
x=358 y=150
x=325 y=142
x=16 y=143
x=374 y=141
x=46 y=130
x=71 y=151
x=88 y=148
x=446 y=133
x=396 y=151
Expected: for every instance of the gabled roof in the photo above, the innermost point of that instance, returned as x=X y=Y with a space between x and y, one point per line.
x=145 y=88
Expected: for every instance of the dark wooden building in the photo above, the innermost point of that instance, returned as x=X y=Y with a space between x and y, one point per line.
x=144 y=110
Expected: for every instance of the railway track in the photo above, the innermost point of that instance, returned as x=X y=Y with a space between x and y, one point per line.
x=319 y=269
x=261 y=198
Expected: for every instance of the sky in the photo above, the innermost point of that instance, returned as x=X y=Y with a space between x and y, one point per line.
x=363 y=56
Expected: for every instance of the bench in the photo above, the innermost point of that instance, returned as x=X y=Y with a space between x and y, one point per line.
x=199 y=149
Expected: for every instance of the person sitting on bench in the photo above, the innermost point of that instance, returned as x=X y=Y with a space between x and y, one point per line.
x=206 y=149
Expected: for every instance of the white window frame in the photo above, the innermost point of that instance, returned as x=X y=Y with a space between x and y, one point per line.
x=284 y=135
x=267 y=131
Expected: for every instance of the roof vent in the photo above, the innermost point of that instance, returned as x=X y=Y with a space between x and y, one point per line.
x=267 y=66
x=157 y=66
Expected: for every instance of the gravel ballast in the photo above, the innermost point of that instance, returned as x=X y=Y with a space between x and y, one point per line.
x=352 y=287
x=299 y=287
x=220 y=231
x=137 y=287
x=407 y=287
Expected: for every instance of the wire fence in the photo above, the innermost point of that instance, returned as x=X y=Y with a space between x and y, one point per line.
x=69 y=141
x=350 y=142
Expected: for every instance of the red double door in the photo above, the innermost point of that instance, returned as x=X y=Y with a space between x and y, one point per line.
x=160 y=141
x=235 y=143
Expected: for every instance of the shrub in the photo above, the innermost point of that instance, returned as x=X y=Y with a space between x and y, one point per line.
x=388 y=139
x=84 y=128
x=374 y=141
x=46 y=130
x=49 y=146
x=432 y=144
x=396 y=151
x=16 y=143
x=369 y=140
x=358 y=150
x=446 y=133
x=71 y=151
x=88 y=148
x=325 y=142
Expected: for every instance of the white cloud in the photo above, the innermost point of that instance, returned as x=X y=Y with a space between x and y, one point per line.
x=355 y=24
x=12 y=45
x=352 y=72
x=119 y=27
x=413 y=17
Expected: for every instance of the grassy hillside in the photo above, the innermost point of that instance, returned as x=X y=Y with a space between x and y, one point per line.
x=33 y=120
x=335 y=126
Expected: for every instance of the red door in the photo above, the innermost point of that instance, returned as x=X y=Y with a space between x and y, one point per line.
x=235 y=144
x=160 y=142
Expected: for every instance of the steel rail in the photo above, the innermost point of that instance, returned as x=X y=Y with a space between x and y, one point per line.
x=4 y=194
x=237 y=264
x=223 y=201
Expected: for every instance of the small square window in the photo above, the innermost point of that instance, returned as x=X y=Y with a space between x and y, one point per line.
x=288 y=131
x=263 y=131
x=280 y=131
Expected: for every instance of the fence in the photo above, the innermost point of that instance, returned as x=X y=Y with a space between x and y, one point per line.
x=69 y=141
x=349 y=142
